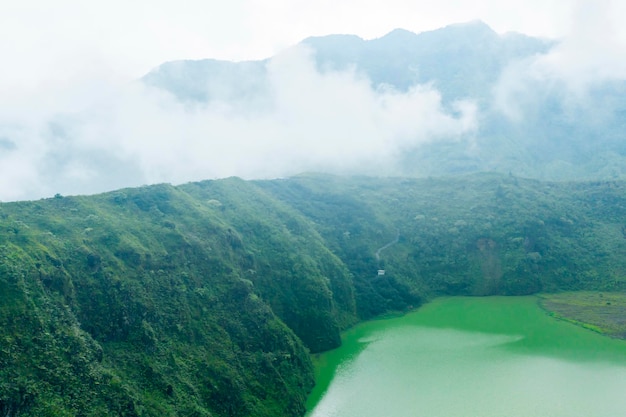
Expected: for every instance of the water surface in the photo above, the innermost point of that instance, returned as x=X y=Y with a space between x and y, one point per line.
x=472 y=357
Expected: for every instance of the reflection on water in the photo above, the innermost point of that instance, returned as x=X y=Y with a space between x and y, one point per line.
x=415 y=366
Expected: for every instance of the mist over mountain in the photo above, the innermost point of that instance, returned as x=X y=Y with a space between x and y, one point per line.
x=456 y=100
x=534 y=113
x=460 y=61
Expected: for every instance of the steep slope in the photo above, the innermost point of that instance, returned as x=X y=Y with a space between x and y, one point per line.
x=138 y=303
x=282 y=248
x=206 y=299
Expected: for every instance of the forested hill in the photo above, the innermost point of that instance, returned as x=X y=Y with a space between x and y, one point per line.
x=205 y=299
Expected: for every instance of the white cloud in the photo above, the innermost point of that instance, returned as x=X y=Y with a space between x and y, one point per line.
x=593 y=51
x=42 y=40
x=591 y=54
x=72 y=122
x=91 y=137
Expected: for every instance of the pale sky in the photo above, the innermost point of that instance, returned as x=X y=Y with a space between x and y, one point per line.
x=42 y=40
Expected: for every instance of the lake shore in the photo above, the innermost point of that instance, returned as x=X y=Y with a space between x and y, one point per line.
x=493 y=355
x=602 y=312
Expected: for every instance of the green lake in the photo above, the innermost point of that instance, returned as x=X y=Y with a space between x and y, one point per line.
x=472 y=357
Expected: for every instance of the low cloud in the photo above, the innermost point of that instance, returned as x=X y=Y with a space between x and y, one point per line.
x=591 y=55
x=94 y=135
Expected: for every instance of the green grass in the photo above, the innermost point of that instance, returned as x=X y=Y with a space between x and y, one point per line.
x=603 y=312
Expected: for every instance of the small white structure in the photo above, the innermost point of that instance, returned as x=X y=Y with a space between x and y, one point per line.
x=381 y=272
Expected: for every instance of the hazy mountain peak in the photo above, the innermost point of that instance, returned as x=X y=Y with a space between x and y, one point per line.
x=400 y=34
x=339 y=37
x=467 y=32
x=336 y=47
x=471 y=29
x=467 y=62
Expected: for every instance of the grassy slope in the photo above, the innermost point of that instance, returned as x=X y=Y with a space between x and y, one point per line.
x=205 y=299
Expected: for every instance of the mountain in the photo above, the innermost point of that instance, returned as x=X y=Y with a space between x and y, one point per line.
x=531 y=120
x=461 y=60
x=208 y=298
x=209 y=79
x=205 y=299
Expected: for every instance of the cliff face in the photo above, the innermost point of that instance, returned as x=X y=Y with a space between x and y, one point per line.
x=206 y=299
x=140 y=303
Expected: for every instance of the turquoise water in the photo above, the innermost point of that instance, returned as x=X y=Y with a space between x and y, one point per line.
x=472 y=357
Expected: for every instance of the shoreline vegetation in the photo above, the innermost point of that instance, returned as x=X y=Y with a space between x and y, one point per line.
x=601 y=312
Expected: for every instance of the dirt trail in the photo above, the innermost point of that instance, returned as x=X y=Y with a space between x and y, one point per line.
x=382 y=248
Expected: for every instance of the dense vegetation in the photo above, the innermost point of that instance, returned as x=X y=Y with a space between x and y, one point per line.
x=206 y=299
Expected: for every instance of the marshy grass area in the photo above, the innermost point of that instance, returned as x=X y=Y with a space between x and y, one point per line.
x=603 y=312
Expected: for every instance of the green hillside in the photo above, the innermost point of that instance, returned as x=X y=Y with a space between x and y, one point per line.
x=206 y=299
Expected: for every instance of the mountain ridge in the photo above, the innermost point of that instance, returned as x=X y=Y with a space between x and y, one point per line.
x=526 y=122
x=206 y=298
